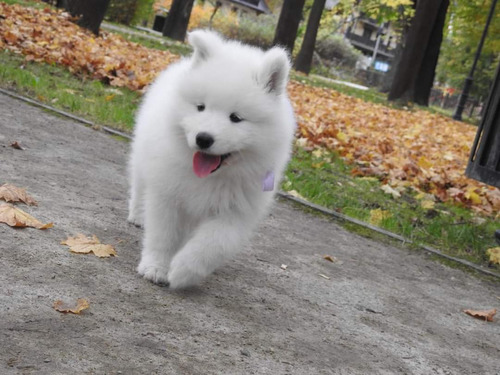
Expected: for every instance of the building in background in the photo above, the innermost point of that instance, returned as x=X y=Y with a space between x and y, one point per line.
x=375 y=41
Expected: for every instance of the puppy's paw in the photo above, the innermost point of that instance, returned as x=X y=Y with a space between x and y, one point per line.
x=136 y=220
x=151 y=272
x=183 y=275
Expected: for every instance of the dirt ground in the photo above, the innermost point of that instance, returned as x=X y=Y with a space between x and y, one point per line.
x=376 y=310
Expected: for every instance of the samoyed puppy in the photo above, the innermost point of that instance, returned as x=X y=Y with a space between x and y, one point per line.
x=212 y=138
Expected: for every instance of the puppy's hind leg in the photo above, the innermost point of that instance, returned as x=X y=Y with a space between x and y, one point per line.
x=136 y=200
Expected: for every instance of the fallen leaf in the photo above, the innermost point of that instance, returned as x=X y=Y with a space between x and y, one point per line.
x=494 y=254
x=284 y=267
x=324 y=276
x=15 y=217
x=472 y=196
x=81 y=304
x=11 y=193
x=330 y=258
x=296 y=194
x=486 y=315
x=377 y=215
x=16 y=145
x=80 y=244
x=427 y=204
x=390 y=190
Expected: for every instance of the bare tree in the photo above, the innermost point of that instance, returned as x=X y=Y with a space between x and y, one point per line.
x=177 y=20
x=90 y=12
x=288 y=24
x=415 y=71
x=303 y=61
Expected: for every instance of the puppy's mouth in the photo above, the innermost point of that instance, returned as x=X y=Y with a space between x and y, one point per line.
x=204 y=164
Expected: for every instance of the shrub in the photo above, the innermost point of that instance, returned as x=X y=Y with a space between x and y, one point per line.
x=337 y=50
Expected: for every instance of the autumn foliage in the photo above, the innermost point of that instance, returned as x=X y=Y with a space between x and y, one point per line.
x=403 y=148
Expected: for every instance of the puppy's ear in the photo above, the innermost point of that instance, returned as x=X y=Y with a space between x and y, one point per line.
x=274 y=71
x=205 y=44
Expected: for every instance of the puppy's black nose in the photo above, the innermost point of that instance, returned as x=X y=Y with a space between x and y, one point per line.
x=204 y=140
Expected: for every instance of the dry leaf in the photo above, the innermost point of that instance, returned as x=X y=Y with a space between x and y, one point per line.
x=376 y=216
x=81 y=304
x=494 y=254
x=16 y=145
x=324 y=276
x=284 y=267
x=11 y=193
x=330 y=258
x=486 y=315
x=15 y=217
x=427 y=204
x=390 y=190
x=81 y=244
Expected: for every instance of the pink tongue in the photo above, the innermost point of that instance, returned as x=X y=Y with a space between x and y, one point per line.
x=204 y=164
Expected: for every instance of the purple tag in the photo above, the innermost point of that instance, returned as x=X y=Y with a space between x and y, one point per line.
x=268 y=181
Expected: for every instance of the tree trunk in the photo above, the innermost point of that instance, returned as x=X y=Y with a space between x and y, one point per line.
x=91 y=12
x=415 y=72
x=303 y=61
x=423 y=84
x=177 y=20
x=288 y=24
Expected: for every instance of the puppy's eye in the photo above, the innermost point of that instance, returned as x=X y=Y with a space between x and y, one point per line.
x=200 y=107
x=235 y=118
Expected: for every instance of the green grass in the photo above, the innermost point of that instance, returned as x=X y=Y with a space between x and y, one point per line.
x=57 y=87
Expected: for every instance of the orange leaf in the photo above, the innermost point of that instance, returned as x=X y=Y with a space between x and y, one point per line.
x=486 y=315
x=81 y=304
x=80 y=244
x=15 y=217
x=11 y=193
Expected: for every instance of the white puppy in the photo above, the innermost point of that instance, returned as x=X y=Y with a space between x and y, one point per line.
x=212 y=138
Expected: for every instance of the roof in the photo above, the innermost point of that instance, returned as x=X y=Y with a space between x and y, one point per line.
x=258 y=6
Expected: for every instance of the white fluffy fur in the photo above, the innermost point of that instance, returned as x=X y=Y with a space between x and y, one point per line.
x=192 y=225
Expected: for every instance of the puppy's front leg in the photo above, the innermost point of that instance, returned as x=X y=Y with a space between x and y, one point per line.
x=212 y=244
x=162 y=237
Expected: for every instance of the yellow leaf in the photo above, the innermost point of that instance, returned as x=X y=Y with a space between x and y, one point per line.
x=81 y=304
x=494 y=254
x=472 y=196
x=318 y=165
x=15 y=217
x=427 y=204
x=424 y=163
x=377 y=215
x=318 y=153
x=11 y=193
x=342 y=137
x=109 y=97
x=80 y=244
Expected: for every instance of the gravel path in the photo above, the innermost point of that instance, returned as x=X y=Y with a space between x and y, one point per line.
x=376 y=310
